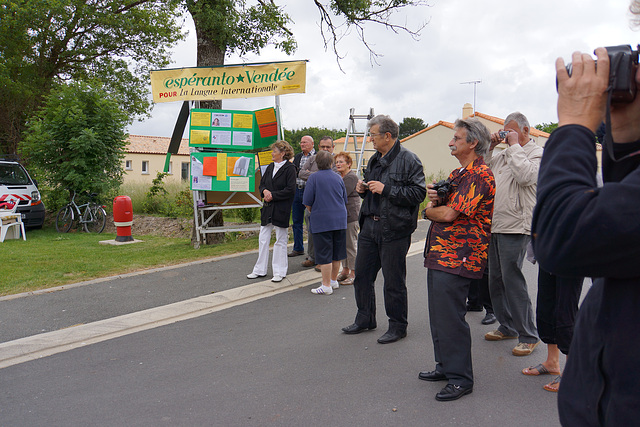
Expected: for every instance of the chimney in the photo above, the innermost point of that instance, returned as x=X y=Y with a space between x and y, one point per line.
x=467 y=110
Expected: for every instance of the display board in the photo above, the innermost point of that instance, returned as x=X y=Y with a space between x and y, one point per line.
x=232 y=130
x=223 y=171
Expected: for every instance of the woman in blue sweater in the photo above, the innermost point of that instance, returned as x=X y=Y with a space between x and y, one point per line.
x=326 y=198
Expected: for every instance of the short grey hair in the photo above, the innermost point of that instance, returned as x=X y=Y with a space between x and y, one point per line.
x=385 y=124
x=326 y=137
x=476 y=131
x=324 y=160
x=519 y=118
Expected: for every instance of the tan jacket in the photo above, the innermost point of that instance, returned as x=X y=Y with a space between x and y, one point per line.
x=515 y=170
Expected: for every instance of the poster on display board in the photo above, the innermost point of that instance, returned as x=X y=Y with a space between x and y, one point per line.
x=223 y=172
x=232 y=129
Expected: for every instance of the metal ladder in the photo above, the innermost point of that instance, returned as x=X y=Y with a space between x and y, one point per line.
x=352 y=132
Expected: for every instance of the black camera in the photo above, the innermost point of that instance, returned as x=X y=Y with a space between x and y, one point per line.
x=503 y=134
x=623 y=63
x=443 y=187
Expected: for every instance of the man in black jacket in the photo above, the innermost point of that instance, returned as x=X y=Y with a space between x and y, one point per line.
x=392 y=191
x=582 y=230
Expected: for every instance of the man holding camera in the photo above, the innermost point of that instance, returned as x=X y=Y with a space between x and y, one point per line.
x=394 y=188
x=456 y=253
x=582 y=230
x=516 y=172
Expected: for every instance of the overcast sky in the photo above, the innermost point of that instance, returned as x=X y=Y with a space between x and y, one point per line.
x=511 y=46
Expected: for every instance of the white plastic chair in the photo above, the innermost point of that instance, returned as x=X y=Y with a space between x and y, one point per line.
x=9 y=218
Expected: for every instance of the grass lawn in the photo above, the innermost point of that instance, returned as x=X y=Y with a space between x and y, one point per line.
x=48 y=259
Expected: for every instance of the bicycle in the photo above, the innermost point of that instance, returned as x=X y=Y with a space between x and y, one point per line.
x=93 y=218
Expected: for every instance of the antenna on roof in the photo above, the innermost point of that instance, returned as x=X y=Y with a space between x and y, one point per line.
x=474 y=83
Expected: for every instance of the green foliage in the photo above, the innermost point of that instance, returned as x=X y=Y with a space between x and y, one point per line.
x=410 y=125
x=76 y=141
x=248 y=214
x=159 y=201
x=232 y=26
x=293 y=136
x=112 y=44
x=547 y=127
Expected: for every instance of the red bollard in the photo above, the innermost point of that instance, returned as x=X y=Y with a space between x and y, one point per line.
x=123 y=218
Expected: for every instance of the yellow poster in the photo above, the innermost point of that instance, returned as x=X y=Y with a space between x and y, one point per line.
x=200 y=118
x=199 y=137
x=222 y=167
x=243 y=121
x=236 y=81
x=264 y=158
x=268 y=115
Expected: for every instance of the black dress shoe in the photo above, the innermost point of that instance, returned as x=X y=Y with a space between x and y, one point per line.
x=453 y=392
x=391 y=336
x=356 y=329
x=489 y=319
x=432 y=376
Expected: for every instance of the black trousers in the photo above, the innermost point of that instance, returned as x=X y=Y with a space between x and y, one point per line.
x=450 y=331
x=479 y=293
x=556 y=309
x=390 y=256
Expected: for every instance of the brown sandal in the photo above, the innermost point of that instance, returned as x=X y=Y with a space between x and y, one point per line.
x=539 y=370
x=554 y=385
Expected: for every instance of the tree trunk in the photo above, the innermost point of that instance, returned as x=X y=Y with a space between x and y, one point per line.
x=210 y=54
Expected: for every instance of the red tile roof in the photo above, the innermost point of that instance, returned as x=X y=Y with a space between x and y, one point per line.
x=140 y=144
x=533 y=131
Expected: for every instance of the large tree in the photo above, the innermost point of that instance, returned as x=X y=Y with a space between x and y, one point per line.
x=410 y=125
x=76 y=141
x=113 y=44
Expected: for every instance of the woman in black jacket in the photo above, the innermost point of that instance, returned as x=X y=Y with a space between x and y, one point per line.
x=277 y=187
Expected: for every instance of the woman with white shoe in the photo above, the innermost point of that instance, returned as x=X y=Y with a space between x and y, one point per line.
x=277 y=187
x=343 y=166
x=326 y=198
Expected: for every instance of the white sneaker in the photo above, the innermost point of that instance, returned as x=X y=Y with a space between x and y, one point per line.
x=277 y=279
x=322 y=290
x=254 y=275
x=335 y=285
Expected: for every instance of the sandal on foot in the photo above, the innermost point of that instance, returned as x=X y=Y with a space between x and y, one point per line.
x=554 y=385
x=539 y=370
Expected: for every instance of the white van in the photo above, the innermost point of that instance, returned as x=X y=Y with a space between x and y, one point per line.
x=15 y=182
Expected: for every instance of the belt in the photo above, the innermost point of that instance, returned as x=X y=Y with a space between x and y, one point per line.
x=374 y=217
x=300 y=187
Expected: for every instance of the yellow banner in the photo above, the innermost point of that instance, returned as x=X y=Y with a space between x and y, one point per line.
x=237 y=81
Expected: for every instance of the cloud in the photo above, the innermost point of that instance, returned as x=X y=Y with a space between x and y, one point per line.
x=510 y=46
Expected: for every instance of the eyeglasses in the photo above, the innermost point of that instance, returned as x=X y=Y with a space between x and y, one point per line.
x=456 y=138
x=376 y=134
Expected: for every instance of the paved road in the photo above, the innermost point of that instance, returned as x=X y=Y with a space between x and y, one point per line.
x=247 y=355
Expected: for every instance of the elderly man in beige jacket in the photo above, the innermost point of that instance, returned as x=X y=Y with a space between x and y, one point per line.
x=516 y=173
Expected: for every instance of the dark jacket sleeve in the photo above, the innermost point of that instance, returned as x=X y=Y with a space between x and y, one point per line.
x=578 y=228
x=406 y=186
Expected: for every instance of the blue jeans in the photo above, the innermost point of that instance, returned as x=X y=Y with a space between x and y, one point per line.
x=297 y=218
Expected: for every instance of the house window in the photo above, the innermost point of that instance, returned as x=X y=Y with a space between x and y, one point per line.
x=185 y=171
x=170 y=168
x=145 y=166
x=128 y=165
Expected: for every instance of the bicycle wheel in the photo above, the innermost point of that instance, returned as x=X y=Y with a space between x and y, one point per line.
x=64 y=219
x=94 y=218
